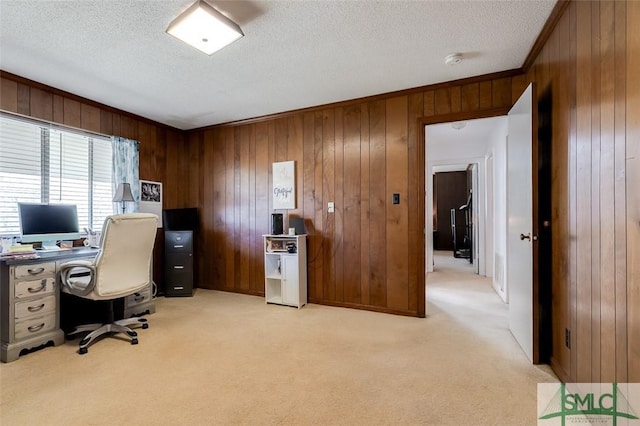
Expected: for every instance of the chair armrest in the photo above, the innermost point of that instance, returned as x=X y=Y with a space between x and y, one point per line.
x=78 y=277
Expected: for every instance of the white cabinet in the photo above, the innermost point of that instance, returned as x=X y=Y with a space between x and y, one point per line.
x=285 y=269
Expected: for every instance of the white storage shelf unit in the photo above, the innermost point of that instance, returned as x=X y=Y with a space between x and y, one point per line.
x=285 y=271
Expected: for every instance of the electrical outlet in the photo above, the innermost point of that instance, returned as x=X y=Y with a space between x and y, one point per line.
x=330 y=207
x=396 y=199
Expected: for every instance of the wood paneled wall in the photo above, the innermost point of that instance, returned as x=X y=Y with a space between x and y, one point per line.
x=357 y=154
x=588 y=65
x=159 y=144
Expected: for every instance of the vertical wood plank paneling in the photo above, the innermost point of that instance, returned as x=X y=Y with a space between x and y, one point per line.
x=263 y=195
x=443 y=101
x=215 y=140
x=237 y=209
x=90 y=117
x=415 y=228
x=255 y=238
x=58 y=109
x=317 y=225
x=8 y=95
x=352 y=208
x=582 y=334
x=429 y=103
x=295 y=126
x=377 y=202
x=71 y=113
x=230 y=207
x=128 y=126
x=106 y=122
x=518 y=84
x=41 y=104
x=501 y=92
x=24 y=99
x=207 y=276
x=470 y=97
x=632 y=184
x=338 y=234
x=485 y=95
x=620 y=231
x=328 y=194
x=397 y=215
x=308 y=204
x=244 y=237
x=595 y=191
x=365 y=190
x=116 y=121
x=456 y=98
x=607 y=196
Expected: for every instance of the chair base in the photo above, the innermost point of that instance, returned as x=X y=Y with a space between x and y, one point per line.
x=98 y=330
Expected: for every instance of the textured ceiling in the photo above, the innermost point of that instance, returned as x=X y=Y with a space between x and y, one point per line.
x=295 y=54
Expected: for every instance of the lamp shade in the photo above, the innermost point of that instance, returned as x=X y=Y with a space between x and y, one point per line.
x=123 y=193
x=204 y=28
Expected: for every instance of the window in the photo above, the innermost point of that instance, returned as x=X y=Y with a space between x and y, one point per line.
x=45 y=164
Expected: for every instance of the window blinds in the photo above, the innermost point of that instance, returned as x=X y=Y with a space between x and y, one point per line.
x=39 y=163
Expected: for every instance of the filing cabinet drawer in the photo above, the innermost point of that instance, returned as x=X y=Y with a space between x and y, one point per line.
x=33 y=326
x=34 y=288
x=178 y=241
x=138 y=298
x=34 y=270
x=35 y=307
x=178 y=263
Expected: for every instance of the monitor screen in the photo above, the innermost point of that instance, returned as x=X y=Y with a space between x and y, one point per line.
x=180 y=219
x=48 y=223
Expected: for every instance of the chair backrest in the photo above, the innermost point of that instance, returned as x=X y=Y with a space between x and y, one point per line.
x=123 y=264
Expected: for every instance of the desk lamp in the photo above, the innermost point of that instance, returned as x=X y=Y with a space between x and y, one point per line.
x=123 y=194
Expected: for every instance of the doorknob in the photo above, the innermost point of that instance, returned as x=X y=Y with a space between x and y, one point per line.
x=525 y=237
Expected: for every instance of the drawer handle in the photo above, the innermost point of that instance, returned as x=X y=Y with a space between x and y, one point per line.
x=138 y=298
x=178 y=245
x=43 y=285
x=35 y=271
x=178 y=267
x=35 y=308
x=178 y=288
x=35 y=328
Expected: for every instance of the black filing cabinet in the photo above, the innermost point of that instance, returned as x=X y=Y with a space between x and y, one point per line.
x=178 y=263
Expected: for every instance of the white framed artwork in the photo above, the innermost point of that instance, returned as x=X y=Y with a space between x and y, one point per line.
x=284 y=185
x=151 y=199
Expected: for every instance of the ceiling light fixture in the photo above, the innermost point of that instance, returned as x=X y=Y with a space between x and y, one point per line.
x=458 y=125
x=453 y=59
x=204 y=28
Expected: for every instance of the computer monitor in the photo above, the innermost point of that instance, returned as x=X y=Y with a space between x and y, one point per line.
x=48 y=223
x=180 y=219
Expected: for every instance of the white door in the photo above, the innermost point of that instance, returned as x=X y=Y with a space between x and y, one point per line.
x=519 y=220
x=291 y=285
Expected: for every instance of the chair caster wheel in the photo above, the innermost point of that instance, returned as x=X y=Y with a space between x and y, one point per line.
x=83 y=351
x=145 y=326
x=134 y=341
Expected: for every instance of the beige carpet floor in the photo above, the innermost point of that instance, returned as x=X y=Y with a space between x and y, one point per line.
x=223 y=359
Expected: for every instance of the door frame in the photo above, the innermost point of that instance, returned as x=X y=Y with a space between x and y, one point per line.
x=422 y=193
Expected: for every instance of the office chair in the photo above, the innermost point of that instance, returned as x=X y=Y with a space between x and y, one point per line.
x=122 y=267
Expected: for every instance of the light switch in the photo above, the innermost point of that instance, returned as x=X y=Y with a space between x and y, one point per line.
x=396 y=199
x=330 y=207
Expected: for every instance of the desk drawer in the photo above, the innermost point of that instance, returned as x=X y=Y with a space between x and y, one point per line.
x=34 y=326
x=34 y=288
x=138 y=298
x=38 y=306
x=178 y=241
x=34 y=270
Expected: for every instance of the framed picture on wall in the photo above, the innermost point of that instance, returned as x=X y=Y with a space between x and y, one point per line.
x=284 y=185
x=151 y=199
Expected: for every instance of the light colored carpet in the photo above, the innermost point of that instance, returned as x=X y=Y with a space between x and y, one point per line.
x=223 y=358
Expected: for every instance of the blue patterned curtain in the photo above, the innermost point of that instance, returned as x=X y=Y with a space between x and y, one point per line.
x=126 y=159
